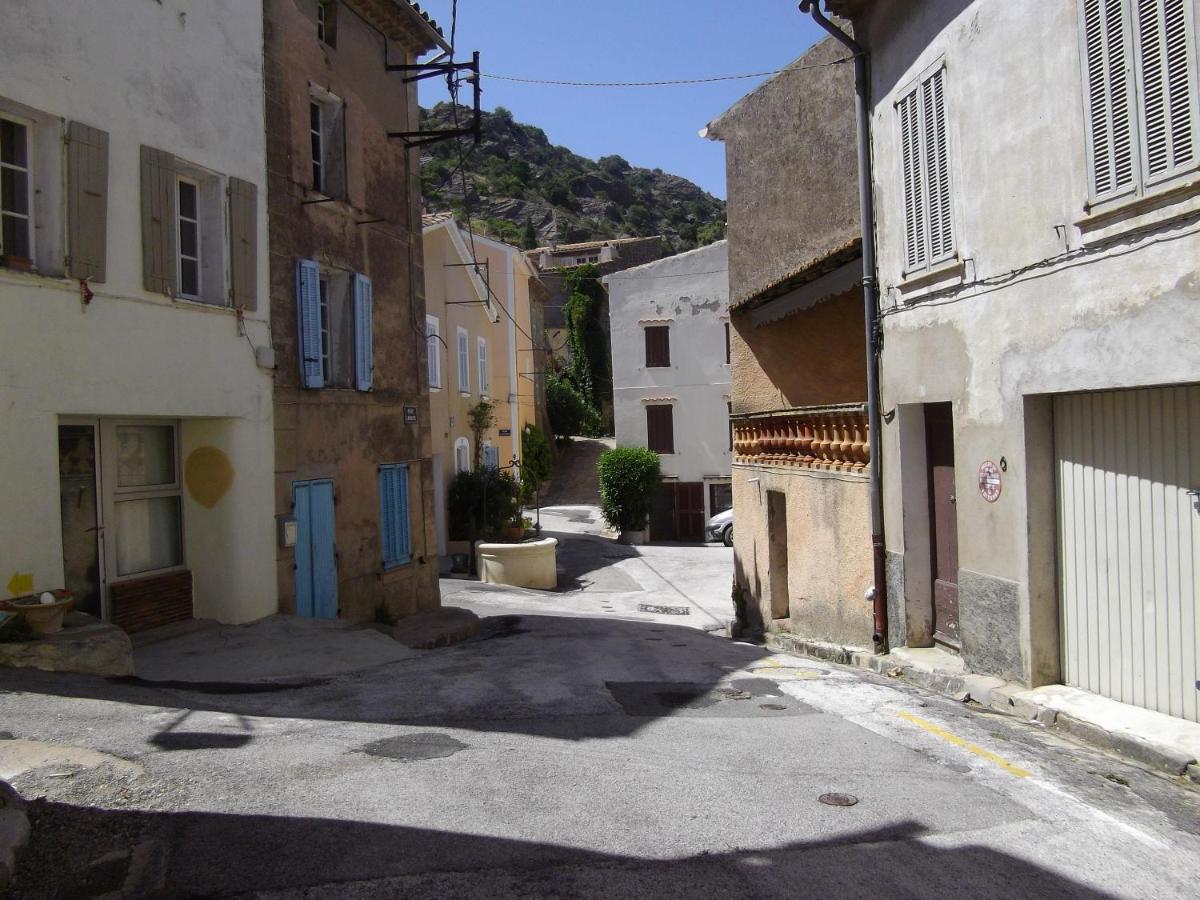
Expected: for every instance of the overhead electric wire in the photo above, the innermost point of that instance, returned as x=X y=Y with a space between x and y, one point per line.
x=668 y=82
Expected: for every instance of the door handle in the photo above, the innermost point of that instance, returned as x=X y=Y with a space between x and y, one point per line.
x=953 y=501
x=1195 y=495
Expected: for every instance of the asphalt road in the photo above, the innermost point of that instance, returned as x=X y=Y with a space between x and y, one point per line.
x=573 y=750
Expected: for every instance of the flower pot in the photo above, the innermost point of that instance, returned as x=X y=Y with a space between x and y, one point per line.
x=43 y=618
x=634 y=538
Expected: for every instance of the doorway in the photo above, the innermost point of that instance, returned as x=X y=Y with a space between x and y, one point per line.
x=316 y=555
x=943 y=522
x=777 y=543
x=689 y=511
x=82 y=531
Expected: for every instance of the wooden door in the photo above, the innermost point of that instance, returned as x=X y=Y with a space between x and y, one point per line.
x=316 y=557
x=943 y=521
x=662 y=513
x=689 y=511
x=81 y=524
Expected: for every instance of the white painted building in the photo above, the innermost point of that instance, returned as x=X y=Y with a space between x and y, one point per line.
x=669 y=322
x=136 y=453
x=1036 y=170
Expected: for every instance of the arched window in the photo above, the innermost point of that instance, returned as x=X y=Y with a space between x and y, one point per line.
x=462 y=455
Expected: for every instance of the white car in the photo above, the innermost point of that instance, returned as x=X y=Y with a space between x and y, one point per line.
x=720 y=528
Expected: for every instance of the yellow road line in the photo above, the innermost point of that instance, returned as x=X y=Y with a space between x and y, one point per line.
x=966 y=745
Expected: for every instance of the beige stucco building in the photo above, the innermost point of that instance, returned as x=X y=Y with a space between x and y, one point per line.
x=136 y=445
x=483 y=303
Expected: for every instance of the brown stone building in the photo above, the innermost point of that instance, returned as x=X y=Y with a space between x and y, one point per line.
x=353 y=485
x=802 y=536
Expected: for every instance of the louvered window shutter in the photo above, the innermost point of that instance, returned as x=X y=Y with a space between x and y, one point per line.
x=243 y=244
x=395 y=536
x=308 y=323
x=937 y=168
x=1108 y=73
x=1166 y=54
x=158 y=221
x=364 y=343
x=87 y=201
x=915 y=236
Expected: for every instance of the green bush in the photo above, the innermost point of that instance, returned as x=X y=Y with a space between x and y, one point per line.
x=536 y=460
x=481 y=503
x=566 y=407
x=629 y=477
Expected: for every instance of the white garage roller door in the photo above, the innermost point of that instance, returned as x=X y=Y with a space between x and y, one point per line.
x=1129 y=544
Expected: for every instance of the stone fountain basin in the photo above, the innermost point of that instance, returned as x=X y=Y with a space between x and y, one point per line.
x=528 y=564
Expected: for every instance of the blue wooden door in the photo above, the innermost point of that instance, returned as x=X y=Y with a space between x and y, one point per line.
x=316 y=563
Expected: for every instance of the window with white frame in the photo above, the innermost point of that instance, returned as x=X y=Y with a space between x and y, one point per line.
x=464 y=362
x=16 y=231
x=462 y=455
x=482 y=360
x=327 y=142
x=1140 y=93
x=925 y=172
x=335 y=325
x=327 y=22
x=433 y=351
x=188 y=234
x=146 y=498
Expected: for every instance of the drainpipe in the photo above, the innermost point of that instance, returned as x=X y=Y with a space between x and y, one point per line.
x=870 y=310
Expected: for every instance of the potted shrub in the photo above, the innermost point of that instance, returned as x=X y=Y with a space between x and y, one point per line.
x=629 y=477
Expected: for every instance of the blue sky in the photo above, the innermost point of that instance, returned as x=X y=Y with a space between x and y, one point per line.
x=626 y=40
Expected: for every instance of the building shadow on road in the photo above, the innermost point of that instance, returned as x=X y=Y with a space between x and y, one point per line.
x=85 y=852
x=545 y=675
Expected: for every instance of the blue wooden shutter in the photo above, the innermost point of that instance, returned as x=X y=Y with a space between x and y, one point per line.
x=308 y=323
x=364 y=343
x=393 y=514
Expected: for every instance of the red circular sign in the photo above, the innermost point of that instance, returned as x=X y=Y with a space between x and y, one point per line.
x=989 y=481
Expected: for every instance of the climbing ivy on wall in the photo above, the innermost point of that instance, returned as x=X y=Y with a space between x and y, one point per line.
x=589 y=369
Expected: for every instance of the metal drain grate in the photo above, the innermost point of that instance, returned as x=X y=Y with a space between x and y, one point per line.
x=665 y=610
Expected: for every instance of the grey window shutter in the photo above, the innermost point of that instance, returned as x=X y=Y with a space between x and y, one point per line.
x=1108 y=74
x=158 y=221
x=1166 y=52
x=364 y=344
x=243 y=243
x=87 y=201
x=308 y=323
x=937 y=168
x=914 y=200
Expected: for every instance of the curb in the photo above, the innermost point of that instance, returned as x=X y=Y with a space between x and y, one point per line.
x=1001 y=697
x=14 y=831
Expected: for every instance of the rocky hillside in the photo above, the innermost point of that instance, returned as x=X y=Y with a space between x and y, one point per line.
x=522 y=188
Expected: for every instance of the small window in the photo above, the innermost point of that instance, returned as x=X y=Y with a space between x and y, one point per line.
x=464 y=362
x=395 y=535
x=188 y=233
x=327 y=142
x=15 y=227
x=658 y=346
x=434 y=357
x=462 y=455
x=925 y=174
x=327 y=22
x=484 y=375
x=660 y=428
x=728 y=357
x=335 y=343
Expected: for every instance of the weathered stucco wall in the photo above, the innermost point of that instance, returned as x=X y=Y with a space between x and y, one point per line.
x=189 y=84
x=689 y=294
x=335 y=433
x=791 y=170
x=828 y=551
x=1094 y=304
x=811 y=358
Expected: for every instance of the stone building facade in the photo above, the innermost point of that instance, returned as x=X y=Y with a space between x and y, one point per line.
x=802 y=538
x=353 y=479
x=135 y=449
x=1041 y=301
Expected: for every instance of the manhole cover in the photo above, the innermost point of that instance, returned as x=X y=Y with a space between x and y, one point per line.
x=771 y=706
x=411 y=747
x=838 y=799
x=665 y=610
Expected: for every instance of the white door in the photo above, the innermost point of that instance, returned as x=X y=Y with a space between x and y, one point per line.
x=1129 y=544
